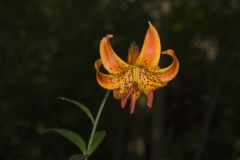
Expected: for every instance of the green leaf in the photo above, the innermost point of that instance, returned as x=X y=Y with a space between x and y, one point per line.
x=97 y=140
x=78 y=157
x=73 y=137
x=81 y=106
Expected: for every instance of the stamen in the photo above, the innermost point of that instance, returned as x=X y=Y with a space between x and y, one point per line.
x=150 y=99
x=132 y=105
x=130 y=92
x=135 y=84
x=125 y=98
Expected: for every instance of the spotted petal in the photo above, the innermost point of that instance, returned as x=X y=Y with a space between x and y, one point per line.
x=155 y=77
x=168 y=73
x=150 y=53
x=105 y=80
x=111 y=62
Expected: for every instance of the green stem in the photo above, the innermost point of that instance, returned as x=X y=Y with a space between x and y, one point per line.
x=96 y=121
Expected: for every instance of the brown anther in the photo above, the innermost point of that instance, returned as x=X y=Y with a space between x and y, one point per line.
x=135 y=84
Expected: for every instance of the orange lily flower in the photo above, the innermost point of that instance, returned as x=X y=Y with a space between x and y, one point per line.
x=141 y=74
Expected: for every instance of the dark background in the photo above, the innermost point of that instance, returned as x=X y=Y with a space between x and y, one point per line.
x=48 y=49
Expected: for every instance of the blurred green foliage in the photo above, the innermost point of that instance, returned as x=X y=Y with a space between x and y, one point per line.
x=48 y=48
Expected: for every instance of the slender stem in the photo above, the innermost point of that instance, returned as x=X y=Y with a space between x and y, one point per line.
x=96 y=121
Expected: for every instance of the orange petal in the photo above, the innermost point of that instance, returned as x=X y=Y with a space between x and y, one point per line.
x=168 y=73
x=150 y=53
x=111 y=62
x=133 y=53
x=155 y=77
x=105 y=80
x=148 y=79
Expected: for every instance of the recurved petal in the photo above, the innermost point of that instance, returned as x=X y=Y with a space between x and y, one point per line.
x=168 y=73
x=105 y=80
x=111 y=62
x=150 y=53
x=148 y=79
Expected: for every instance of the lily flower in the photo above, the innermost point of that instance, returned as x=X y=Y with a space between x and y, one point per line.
x=140 y=74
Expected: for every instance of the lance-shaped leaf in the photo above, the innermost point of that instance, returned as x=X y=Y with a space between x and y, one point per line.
x=71 y=136
x=81 y=106
x=97 y=140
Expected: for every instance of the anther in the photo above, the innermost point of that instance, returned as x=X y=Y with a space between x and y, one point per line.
x=135 y=84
